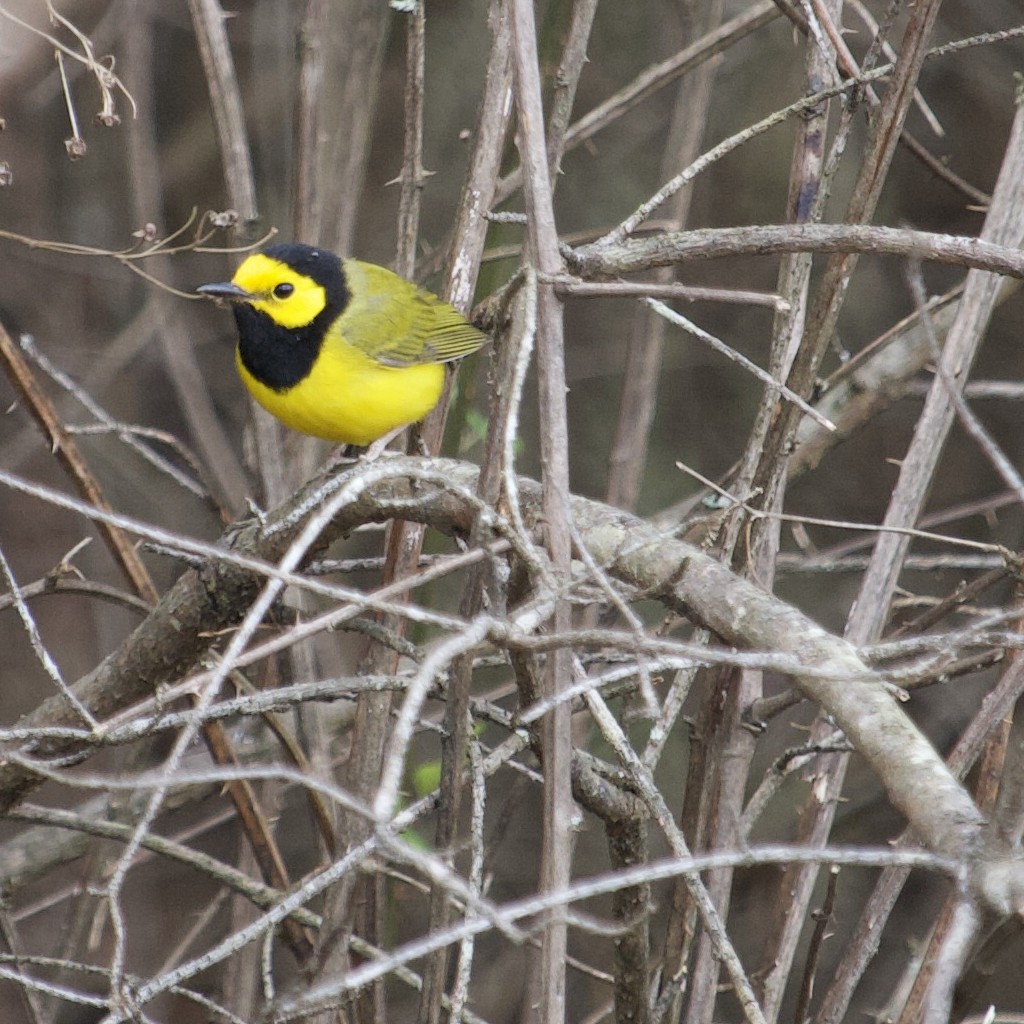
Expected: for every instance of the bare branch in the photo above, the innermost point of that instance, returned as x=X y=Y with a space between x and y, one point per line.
x=632 y=256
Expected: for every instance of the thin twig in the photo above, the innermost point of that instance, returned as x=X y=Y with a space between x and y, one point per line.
x=822 y=920
x=128 y=434
x=260 y=895
x=295 y=1007
x=35 y=639
x=737 y=357
x=464 y=967
x=566 y=79
x=971 y=424
x=662 y=290
x=652 y=796
x=653 y=79
x=208 y=22
x=413 y=174
x=68 y=454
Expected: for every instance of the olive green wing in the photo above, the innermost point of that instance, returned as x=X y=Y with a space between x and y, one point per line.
x=398 y=324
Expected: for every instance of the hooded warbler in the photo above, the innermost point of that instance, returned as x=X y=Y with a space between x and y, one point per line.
x=340 y=349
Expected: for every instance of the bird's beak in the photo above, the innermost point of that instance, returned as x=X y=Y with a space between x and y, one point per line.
x=226 y=290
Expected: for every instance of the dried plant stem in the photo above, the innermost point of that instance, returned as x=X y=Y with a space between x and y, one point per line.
x=810 y=177
x=1004 y=225
x=468 y=237
x=627 y=845
x=208 y=23
x=886 y=128
x=460 y=990
x=628 y=457
x=951 y=956
x=574 y=56
x=341 y=49
x=29 y=997
x=829 y=669
x=35 y=639
x=470 y=228
x=822 y=921
x=68 y=454
x=657 y=77
x=637 y=255
x=818 y=811
x=413 y=174
x=556 y=734
x=188 y=381
x=866 y=936
x=970 y=423
x=667 y=290
x=719 y=346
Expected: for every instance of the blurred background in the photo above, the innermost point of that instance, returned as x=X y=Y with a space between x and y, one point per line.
x=164 y=361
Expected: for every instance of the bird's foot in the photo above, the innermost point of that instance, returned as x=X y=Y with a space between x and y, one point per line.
x=377 y=448
x=255 y=512
x=343 y=455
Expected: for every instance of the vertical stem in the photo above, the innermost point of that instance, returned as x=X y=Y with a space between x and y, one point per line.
x=627 y=846
x=468 y=237
x=311 y=59
x=341 y=48
x=625 y=474
x=817 y=814
x=412 y=162
x=1004 y=226
x=219 y=68
x=628 y=458
x=950 y=959
x=731 y=748
x=824 y=314
x=786 y=917
x=470 y=229
x=574 y=56
x=542 y=238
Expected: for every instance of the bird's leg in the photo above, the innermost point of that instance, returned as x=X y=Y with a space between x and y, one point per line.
x=376 y=449
x=255 y=512
x=343 y=454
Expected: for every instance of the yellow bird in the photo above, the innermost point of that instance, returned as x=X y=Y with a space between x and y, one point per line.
x=340 y=349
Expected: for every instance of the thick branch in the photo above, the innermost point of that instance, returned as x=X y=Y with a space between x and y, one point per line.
x=636 y=255
x=181 y=629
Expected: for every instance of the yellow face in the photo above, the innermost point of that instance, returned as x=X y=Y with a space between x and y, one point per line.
x=289 y=298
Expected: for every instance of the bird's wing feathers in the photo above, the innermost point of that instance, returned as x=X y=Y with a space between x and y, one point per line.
x=421 y=329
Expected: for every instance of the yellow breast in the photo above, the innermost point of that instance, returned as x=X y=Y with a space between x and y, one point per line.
x=349 y=398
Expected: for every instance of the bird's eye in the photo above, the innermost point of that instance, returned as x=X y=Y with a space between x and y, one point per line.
x=283 y=290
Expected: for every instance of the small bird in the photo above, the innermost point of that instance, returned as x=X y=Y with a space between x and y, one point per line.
x=340 y=349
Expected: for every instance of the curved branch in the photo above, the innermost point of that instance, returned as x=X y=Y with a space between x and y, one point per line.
x=180 y=630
